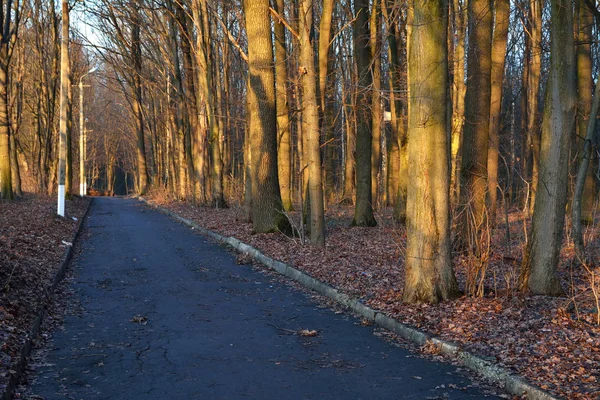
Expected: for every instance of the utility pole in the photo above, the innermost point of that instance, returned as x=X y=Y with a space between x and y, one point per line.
x=64 y=93
x=82 y=138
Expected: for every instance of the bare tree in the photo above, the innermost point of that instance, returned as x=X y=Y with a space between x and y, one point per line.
x=539 y=268
x=262 y=114
x=9 y=25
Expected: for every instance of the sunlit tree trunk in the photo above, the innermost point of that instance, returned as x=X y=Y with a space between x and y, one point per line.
x=137 y=101
x=65 y=84
x=205 y=83
x=539 y=268
x=190 y=93
x=266 y=199
x=395 y=107
x=459 y=8
x=283 y=121
x=5 y=174
x=476 y=125
x=8 y=32
x=310 y=125
x=429 y=274
x=375 y=39
x=501 y=20
x=533 y=90
x=16 y=118
x=350 y=132
x=324 y=93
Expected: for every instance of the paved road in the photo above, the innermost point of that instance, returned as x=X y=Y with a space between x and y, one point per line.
x=170 y=315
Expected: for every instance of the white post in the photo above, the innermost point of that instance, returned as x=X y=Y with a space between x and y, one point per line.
x=64 y=89
x=81 y=141
x=82 y=138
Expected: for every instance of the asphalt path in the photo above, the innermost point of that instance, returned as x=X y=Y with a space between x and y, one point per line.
x=167 y=314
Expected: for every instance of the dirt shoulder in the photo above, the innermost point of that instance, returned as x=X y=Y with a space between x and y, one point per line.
x=554 y=343
x=33 y=241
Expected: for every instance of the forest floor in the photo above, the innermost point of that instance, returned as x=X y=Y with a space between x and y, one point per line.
x=32 y=246
x=554 y=343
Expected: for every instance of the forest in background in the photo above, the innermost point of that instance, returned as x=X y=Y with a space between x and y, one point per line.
x=451 y=113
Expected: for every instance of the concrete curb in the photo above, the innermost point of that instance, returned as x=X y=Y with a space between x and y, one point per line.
x=21 y=364
x=511 y=383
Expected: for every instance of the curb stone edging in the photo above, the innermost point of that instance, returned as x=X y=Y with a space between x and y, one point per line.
x=25 y=351
x=511 y=383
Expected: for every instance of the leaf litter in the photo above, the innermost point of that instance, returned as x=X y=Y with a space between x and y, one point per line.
x=33 y=241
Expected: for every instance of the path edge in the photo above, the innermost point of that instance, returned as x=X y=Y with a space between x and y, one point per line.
x=511 y=383
x=19 y=367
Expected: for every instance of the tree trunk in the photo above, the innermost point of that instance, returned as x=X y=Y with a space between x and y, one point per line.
x=476 y=126
x=69 y=167
x=375 y=38
x=205 y=83
x=429 y=274
x=266 y=200
x=458 y=97
x=582 y=177
x=363 y=211
x=310 y=126
x=190 y=95
x=325 y=92
x=283 y=121
x=350 y=133
x=14 y=165
x=136 y=50
x=502 y=16
x=65 y=85
x=584 y=196
x=393 y=158
x=539 y=268
x=5 y=170
x=584 y=97
x=533 y=90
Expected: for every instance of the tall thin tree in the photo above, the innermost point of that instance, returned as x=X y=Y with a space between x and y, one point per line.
x=476 y=125
x=9 y=24
x=539 y=268
x=363 y=211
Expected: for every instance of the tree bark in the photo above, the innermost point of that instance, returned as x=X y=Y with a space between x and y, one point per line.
x=476 y=125
x=310 y=126
x=533 y=90
x=375 y=39
x=429 y=274
x=584 y=96
x=283 y=121
x=325 y=92
x=14 y=165
x=267 y=206
x=136 y=50
x=458 y=97
x=582 y=177
x=68 y=144
x=65 y=84
x=539 y=268
x=363 y=211
x=5 y=170
x=501 y=20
